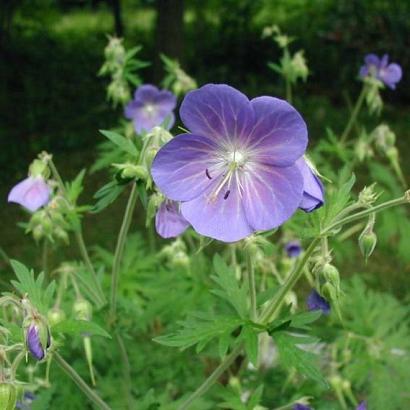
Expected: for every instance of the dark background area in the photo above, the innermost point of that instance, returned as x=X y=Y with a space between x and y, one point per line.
x=52 y=99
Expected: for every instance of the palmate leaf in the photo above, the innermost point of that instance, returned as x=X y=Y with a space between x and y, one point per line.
x=231 y=290
x=292 y=355
x=123 y=143
x=106 y=195
x=39 y=296
x=200 y=330
x=79 y=327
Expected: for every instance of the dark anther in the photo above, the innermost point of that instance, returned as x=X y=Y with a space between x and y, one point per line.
x=207 y=174
x=227 y=194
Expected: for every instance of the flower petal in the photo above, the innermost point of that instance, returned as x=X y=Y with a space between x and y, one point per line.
x=165 y=100
x=222 y=218
x=391 y=75
x=169 y=221
x=279 y=136
x=217 y=111
x=33 y=343
x=31 y=193
x=185 y=166
x=271 y=195
x=372 y=59
x=146 y=93
x=313 y=191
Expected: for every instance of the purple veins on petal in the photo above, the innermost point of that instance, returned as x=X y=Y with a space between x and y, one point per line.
x=32 y=193
x=313 y=190
x=236 y=173
x=169 y=221
x=389 y=74
x=293 y=249
x=33 y=342
x=317 y=302
x=151 y=107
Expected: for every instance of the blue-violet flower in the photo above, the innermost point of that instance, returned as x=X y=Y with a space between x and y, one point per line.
x=389 y=74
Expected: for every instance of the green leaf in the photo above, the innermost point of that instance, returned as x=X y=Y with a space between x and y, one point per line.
x=106 y=195
x=73 y=327
x=125 y=144
x=39 y=296
x=200 y=330
x=75 y=187
x=231 y=291
x=293 y=356
x=251 y=342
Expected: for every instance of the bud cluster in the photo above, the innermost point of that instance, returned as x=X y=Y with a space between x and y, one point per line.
x=177 y=80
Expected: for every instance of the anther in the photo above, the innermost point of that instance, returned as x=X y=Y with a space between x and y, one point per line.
x=207 y=174
x=227 y=194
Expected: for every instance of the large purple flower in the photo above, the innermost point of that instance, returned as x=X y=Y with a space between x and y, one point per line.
x=32 y=193
x=313 y=191
x=169 y=222
x=151 y=107
x=235 y=172
x=389 y=74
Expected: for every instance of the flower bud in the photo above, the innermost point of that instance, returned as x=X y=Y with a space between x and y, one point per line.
x=384 y=137
x=39 y=168
x=331 y=274
x=368 y=196
x=55 y=316
x=8 y=396
x=367 y=242
x=316 y=302
x=38 y=339
x=82 y=309
x=293 y=249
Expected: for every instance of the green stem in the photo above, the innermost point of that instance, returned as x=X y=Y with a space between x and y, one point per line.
x=126 y=370
x=290 y=281
x=76 y=378
x=288 y=91
x=44 y=258
x=251 y=279
x=216 y=374
x=119 y=250
x=80 y=239
x=354 y=115
x=405 y=199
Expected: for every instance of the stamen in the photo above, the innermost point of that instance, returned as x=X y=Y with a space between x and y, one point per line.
x=207 y=174
x=227 y=194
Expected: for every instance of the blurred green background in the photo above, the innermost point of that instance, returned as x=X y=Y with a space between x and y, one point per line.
x=52 y=99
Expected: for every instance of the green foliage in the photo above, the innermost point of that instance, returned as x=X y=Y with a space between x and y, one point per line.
x=40 y=296
x=123 y=143
x=78 y=327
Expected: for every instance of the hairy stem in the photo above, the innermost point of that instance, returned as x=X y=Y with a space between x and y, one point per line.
x=216 y=374
x=119 y=250
x=252 y=287
x=83 y=386
x=354 y=115
x=80 y=240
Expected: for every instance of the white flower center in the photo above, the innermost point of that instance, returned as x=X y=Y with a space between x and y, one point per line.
x=150 y=109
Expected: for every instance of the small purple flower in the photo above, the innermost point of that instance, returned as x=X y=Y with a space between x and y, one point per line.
x=37 y=340
x=362 y=406
x=313 y=191
x=299 y=406
x=151 y=107
x=26 y=401
x=293 y=249
x=317 y=302
x=235 y=172
x=169 y=222
x=32 y=193
x=389 y=74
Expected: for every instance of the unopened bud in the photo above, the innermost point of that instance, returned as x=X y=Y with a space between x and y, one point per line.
x=82 y=309
x=39 y=168
x=384 y=137
x=8 y=396
x=331 y=274
x=38 y=338
x=55 y=316
x=367 y=242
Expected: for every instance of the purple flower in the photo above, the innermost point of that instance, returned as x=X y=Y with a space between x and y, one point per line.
x=317 y=302
x=299 y=406
x=389 y=74
x=37 y=340
x=169 y=222
x=362 y=406
x=313 y=191
x=32 y=193
x=26 y=401
x=293 y=249
x=235 y=171
x=151 y=107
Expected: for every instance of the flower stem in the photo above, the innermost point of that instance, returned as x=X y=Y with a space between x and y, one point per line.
x=119 y=250
x=212 y=378
x=354 y=115
x=252 y=287
x=80 y=239
x=76 y=378
x=405 y=199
